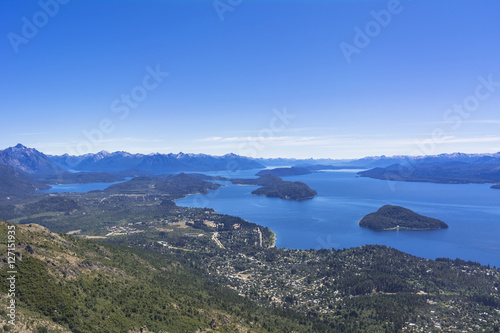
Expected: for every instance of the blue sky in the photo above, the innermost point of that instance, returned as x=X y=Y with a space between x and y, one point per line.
x=321 y=79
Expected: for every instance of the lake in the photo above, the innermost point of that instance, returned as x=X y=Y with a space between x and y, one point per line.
x=61 y=188
x=330 y=220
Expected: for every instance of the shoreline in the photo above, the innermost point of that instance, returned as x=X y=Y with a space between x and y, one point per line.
x=274 y=239
x=400 y=228
x=285 y=198
x=403 y=228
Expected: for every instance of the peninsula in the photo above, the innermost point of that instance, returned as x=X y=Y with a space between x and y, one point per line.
x=441 y=172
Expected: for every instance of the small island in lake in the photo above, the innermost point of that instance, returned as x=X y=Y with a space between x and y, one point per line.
x=395 y=217
x=275 y=187
x=283 y=172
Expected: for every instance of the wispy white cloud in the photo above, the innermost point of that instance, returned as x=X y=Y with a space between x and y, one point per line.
x=452 y=139
x=485 y=121
x=50 y=144
x=259 y=138
x=130 y=139
x=272 y=140
x=463 y=121
x=32 y=133
x=331 y=142
x=291 y=130
x=111 y=144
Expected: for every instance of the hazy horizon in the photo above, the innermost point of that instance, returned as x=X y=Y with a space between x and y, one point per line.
x=278 y=157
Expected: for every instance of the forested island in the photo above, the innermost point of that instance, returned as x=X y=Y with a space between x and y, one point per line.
x=395 y=217
x=174 y=186
x=275 y=187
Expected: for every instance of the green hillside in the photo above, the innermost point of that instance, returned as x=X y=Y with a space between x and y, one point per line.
x=16 y=183
x=69 y=284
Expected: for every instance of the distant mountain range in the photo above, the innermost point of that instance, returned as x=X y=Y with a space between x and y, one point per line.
x=156 y=163
x=384 y=161
x=447 y=172
x=105 y=166
x=370 y=162
x=457 y=168
x=32 y=162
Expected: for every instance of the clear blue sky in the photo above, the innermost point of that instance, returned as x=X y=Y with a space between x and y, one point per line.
x=85 y=67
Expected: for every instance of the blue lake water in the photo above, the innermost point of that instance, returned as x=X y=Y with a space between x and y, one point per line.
x=472 y=212
x=79 y=187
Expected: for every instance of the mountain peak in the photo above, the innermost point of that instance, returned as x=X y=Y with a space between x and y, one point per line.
x=28 y=160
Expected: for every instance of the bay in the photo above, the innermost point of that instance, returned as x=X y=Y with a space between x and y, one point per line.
x=330 y=220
